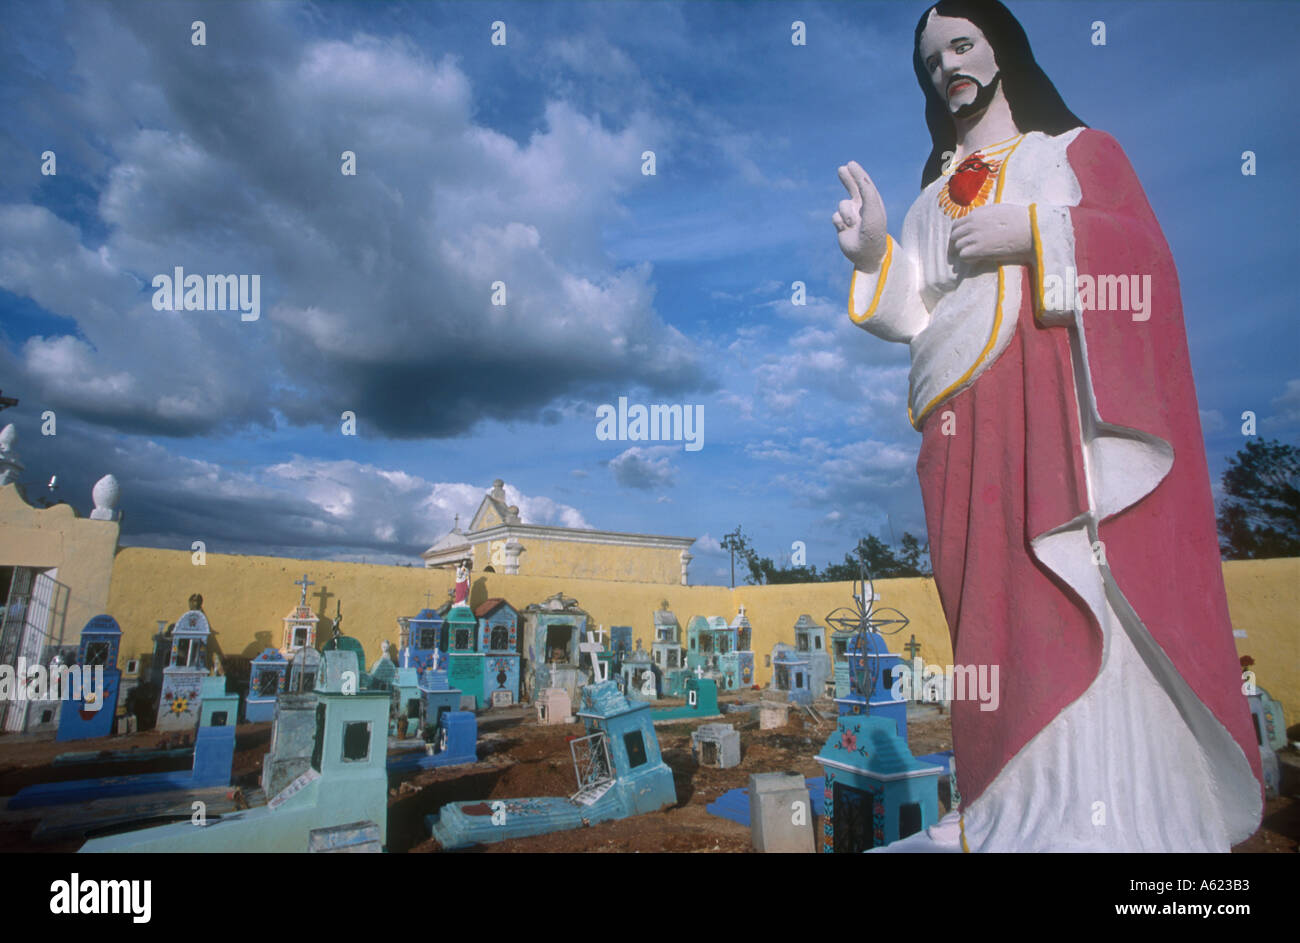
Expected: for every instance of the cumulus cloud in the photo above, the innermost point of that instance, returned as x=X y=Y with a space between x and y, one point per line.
x=300 y=507
x=376 y=288
x=645 y=467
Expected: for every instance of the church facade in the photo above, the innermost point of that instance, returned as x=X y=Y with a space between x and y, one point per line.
x=498 y=539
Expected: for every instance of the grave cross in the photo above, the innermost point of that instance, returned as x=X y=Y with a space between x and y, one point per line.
x=428 y=600
x=304 y=583
x=699 y=671
x=912 y=648
x=591 y=647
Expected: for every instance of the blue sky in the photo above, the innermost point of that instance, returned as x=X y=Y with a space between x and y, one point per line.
x=523 y=163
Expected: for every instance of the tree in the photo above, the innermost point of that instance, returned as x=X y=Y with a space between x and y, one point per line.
x=1259 y=517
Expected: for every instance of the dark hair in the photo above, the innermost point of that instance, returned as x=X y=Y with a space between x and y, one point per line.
x=1035 y=103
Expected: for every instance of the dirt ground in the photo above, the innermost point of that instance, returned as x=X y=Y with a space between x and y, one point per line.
x=518 y=758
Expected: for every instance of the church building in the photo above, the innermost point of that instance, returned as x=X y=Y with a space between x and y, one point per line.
x=496 y=538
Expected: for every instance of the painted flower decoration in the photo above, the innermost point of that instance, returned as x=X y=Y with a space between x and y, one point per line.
x=849 y=740
x=180 y=705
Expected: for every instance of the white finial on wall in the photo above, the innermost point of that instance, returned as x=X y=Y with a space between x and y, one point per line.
x=105 y=494
x=9 y=464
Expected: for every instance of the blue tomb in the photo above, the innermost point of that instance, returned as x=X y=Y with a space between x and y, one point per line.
x=637 y=675
x=423 y=641
x=708 y=640
x=498 y=624
x=437 y=697
x=875 y=791
x=268 y=675
x=620 y=645
x=214 y=753
x=810 y=643
x=737 y=665
x=464 y=662
x=343 y=786
x=870 y=663
x=791 y=673
x=619 y=773
x=454 y=743
x=91 y=713
x=701 y=701
x=668 y=654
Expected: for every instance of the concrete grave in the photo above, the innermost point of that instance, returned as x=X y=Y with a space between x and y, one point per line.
x=773 y=709
x=553 y=707
x=780 y=813
x=716 y=745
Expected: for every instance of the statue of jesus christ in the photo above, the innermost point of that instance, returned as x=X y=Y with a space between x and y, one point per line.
x=461 y=594
x=1062 y=468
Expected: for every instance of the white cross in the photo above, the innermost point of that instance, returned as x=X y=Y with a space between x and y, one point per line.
x=699 y=671
x=304 y=583
x=599 y=671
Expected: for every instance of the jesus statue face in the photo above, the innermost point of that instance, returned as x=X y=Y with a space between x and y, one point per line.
x=960 y=63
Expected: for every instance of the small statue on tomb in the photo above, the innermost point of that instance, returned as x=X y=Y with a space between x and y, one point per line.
x=461 y=593
x=196 y=602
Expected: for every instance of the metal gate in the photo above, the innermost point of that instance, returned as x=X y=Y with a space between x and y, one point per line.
x=34 y=618
x=592 y=766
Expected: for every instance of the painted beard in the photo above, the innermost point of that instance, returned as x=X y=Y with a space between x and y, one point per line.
x=983 y=96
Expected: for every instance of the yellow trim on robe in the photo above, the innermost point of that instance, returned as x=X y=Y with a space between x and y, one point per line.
x=961 y=820
x=880 y=285
x=1039 y=293
x=997 y=321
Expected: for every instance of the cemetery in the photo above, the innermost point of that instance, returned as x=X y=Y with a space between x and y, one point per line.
x=508 y=713
x=434 y=746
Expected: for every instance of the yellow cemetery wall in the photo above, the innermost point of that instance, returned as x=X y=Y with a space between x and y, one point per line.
x=246 y=598
x=82 y=549
x=1264 y=602
x=566 y=558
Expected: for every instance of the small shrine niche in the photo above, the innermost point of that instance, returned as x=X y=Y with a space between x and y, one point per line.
x=744 y=632
x=190 y=642
x=300 y=624
x=553 y=630
x=180 y=704
x=99 y=643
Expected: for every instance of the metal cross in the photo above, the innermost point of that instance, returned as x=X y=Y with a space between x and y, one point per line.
x=912 y=648
x=865 y=618
x=304 y=583
x=428 y=600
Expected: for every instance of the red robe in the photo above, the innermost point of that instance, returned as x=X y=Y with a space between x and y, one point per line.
x=1021 y=474
x=1008 y=492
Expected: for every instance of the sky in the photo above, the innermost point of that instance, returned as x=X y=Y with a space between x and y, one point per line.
x=524 y=163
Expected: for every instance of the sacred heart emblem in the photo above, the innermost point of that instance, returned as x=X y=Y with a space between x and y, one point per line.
x=969 y=186
x=967 y=181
